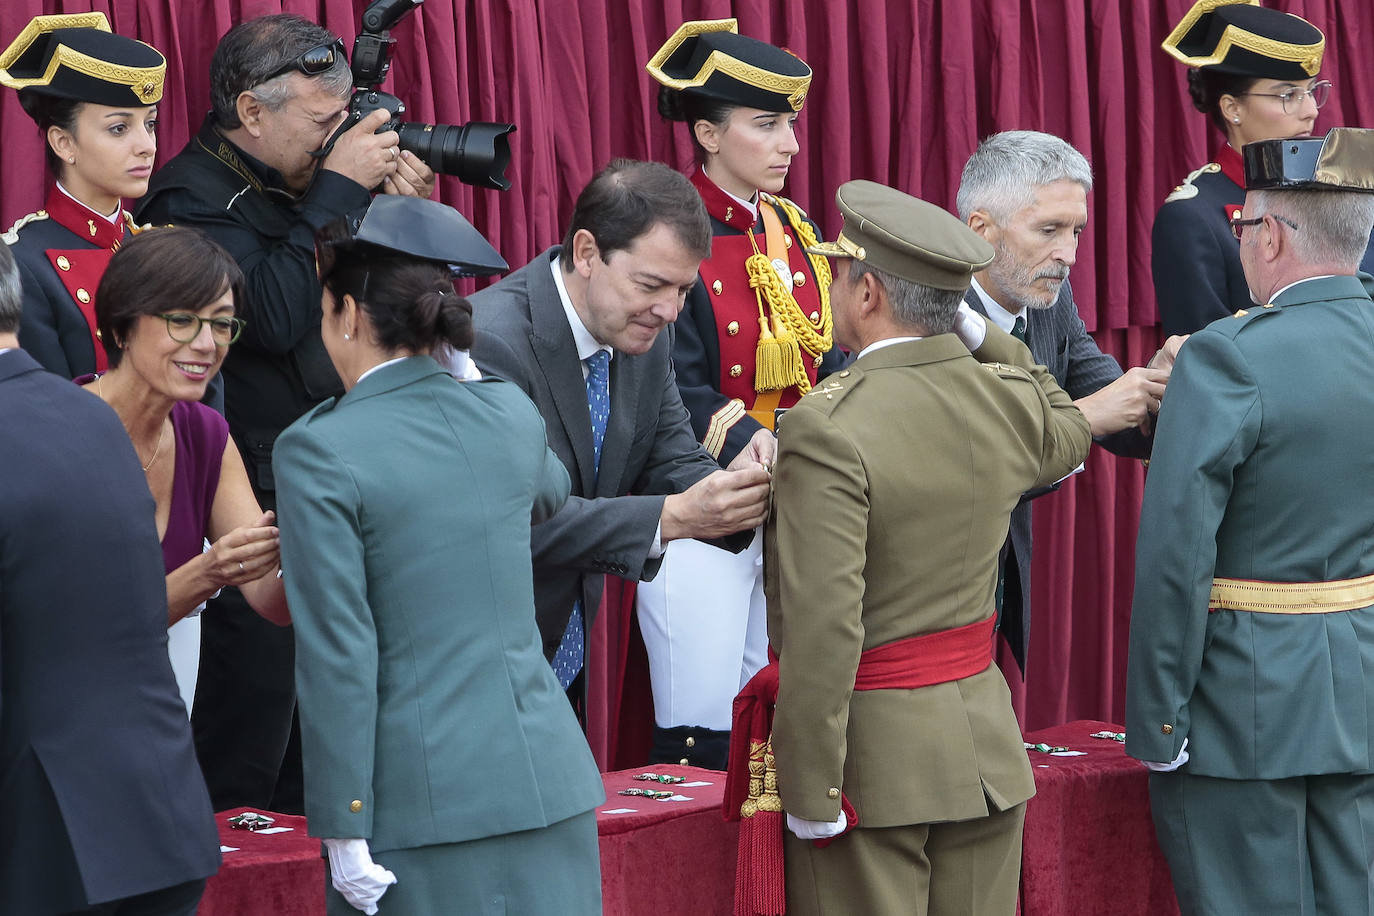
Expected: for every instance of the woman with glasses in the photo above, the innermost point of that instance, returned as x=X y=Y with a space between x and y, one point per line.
x=1254 y=72
x=165 y=313
x=99 y=134
x=434 y=734
x=754 y=335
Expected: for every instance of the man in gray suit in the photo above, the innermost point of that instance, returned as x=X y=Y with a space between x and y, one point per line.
x=578 y=329
x=1026 y=193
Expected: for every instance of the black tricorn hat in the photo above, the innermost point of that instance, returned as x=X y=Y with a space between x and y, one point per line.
x=709 y=58
x=1244 y=38
x=76 y=56
x=1343 y=160
x=415 y=226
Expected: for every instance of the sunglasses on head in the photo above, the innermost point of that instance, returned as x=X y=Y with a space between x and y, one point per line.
x=314 y=61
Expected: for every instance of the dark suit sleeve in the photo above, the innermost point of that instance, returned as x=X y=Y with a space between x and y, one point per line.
x=1210 y=427
x=336 y=637
x=282 y=301
x=1188 y=262
x=1090 y=370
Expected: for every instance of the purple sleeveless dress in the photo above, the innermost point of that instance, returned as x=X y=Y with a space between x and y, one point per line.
x=200 y=436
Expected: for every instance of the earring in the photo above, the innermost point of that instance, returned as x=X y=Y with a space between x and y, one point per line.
x=71 y=160
x=346 y=337
x=1235 y=120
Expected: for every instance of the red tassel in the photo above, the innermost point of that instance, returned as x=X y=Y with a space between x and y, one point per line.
x=760 y=879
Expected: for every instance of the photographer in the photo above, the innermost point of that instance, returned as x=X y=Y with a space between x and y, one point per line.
x=254 y=179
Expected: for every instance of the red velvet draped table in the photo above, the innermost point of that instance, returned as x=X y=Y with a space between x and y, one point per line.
x=1090 y=847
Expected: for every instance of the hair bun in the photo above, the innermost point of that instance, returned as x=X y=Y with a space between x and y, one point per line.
x=453 y=319
x=1199 y=90
x=670 y=104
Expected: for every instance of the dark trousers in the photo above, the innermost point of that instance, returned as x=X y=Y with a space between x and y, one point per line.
x=178 y=900
x=1254 y=847
x=245 y=699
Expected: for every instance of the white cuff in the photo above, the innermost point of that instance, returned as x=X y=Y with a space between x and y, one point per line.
x=970 y=327
x=817 y=830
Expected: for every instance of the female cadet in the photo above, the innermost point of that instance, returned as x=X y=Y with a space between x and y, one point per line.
x=754 y=336
x=1253 y=72
x=99 y=142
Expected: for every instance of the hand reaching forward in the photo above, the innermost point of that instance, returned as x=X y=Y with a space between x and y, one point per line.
x=720 y=503
x=244 y=554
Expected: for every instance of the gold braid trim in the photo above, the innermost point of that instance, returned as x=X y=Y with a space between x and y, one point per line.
x=763 y=780
x=780 y=364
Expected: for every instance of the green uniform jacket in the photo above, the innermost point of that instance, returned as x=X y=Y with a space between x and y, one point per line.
x=1262 y=469
x=895 y=481
x=428 y=712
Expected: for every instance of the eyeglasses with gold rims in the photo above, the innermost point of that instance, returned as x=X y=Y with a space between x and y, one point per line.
x=1293 y=97
x=1238 y=224
x=184 y=327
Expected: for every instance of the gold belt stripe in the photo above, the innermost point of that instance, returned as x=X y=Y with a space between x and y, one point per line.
x=1291 y=597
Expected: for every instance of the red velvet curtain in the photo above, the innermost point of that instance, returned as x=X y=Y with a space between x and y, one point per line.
x=903 y=91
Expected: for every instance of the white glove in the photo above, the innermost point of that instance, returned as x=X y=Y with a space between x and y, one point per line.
x=361 y=881
x=970 y=327
x=817 y=830
x=1177 y=762
x=457 y=362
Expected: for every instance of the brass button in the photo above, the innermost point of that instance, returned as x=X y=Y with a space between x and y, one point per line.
x=732 y=328
x=832 y=792
x=816 y=363
x=83 y=296
x=815 y=317
x=355 y=806
x=63 y=263
x=683 y=761
x=717 y=287
x=799 y=279
x=1167 y=729
x=736 y=370
x=98 y=335
x=691 y=742
x=844 y=374
x=787 y=240
x=860 y=253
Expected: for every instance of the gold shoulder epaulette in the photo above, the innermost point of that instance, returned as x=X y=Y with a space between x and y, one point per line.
x=12 y=235
x=1241 y=313
x=134 y=227
x=834 y=385
x=786 y=204
x=1188 y=189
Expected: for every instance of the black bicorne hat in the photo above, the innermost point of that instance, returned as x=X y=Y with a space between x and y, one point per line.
x=709 y=58
x=76 y=56
x=1343 y=160
x=415 y=226
x=1244 y=38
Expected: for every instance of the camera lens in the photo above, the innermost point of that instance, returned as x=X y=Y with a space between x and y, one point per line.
x=476 y=153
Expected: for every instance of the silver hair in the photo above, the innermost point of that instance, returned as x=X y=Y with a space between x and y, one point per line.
x=11 y=294
x=914 y=304
x=1001 y=176
x=1333 y=226
x=249 y=54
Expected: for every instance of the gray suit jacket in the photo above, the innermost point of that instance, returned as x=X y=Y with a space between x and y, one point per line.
x=608 y=524
x=1059 y=341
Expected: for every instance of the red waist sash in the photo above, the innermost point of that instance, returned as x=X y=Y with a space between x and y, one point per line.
x=751 y=786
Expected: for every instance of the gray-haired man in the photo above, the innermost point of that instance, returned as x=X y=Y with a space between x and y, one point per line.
x=1026 y=193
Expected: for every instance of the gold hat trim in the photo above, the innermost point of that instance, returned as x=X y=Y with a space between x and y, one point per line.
x=1309 y=57
x=794 y=87
x=145 y=82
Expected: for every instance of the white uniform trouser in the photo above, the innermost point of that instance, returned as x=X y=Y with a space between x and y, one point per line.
x=705 y=629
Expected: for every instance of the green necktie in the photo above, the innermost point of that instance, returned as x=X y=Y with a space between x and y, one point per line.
x=1018 y=329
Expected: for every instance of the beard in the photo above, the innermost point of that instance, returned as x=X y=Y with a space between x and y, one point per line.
x=1017 y=280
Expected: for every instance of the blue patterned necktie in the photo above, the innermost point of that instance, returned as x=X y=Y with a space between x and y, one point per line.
x=568 y=660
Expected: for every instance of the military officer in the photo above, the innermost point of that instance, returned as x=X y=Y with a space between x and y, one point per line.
x=1252 y=631
x=755 y=334
x=94 y=95
x=1256 y=73
x=905 y=467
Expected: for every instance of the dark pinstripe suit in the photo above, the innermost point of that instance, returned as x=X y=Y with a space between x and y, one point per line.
x=1059 y=341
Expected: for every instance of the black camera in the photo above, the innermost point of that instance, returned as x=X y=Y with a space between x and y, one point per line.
x=476 y=153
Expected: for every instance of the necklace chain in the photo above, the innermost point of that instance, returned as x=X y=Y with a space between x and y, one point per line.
x=161 y=433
